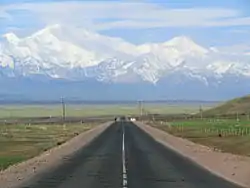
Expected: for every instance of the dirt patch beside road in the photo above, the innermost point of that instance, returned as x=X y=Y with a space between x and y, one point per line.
x=22 y=172
x=231 y=167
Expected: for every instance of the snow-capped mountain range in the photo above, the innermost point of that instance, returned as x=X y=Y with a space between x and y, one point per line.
x=59 y=52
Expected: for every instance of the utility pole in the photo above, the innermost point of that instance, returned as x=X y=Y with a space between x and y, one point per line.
x=63 y=109
x=140 y=102
x=141 y=108
x=153 y=118
x=201 y=112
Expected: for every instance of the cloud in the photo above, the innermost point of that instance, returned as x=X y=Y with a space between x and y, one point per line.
x=238 y=48
x=102 y=15
x=240 y=31
x=4 y=15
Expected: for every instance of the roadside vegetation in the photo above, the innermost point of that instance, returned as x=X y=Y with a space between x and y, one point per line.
x=21 y=142
x=227 y=135
x=225 y=127
x=239 y=106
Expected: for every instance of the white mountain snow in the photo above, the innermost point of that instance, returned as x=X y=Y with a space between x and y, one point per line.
x=73 y=53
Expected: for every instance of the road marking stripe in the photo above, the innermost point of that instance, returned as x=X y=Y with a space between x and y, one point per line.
x=124 y=170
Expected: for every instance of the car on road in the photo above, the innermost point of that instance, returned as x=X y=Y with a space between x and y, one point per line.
x=121 y=118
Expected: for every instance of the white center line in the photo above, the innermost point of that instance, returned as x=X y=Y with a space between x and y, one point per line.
x=124 y=170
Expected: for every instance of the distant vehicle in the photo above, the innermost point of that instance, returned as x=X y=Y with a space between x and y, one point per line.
x=121 y=118
x=132 y=119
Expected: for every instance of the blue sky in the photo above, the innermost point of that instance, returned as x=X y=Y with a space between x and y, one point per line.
x=209 y=22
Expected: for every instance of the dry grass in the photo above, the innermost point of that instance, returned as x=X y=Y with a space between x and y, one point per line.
x=12 y=111
x=238 y=105
x=224 y=135
x=20 y=142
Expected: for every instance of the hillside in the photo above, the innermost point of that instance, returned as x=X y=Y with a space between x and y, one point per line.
x=238 y=105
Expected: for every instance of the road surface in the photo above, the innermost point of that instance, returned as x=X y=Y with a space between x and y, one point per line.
x=125 y=156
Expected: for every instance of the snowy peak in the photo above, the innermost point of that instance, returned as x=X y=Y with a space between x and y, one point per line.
x=11 y=38
x=44 y=51
x=48 y=30
x=175 y=48
x=220 y=67
x=67 y=52
x=64 y=33
x=180 y=40
x=186 y=45
x=92 y=41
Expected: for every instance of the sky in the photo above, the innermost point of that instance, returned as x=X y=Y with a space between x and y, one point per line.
x=208 y=22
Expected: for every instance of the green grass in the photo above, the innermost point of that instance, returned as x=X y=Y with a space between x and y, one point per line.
x=11 y=111
x=20 y=142
x=10 y=160
x=212 y=123
x=235 y=135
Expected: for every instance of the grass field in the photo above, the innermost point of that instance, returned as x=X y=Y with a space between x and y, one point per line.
x=11 y=111
x=224 y=135
x=20 y=142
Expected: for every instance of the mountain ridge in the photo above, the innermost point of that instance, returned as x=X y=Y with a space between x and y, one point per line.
x=57 y=52
x=50 y=45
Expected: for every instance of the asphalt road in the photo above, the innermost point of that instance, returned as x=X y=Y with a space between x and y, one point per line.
x=107 y=162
